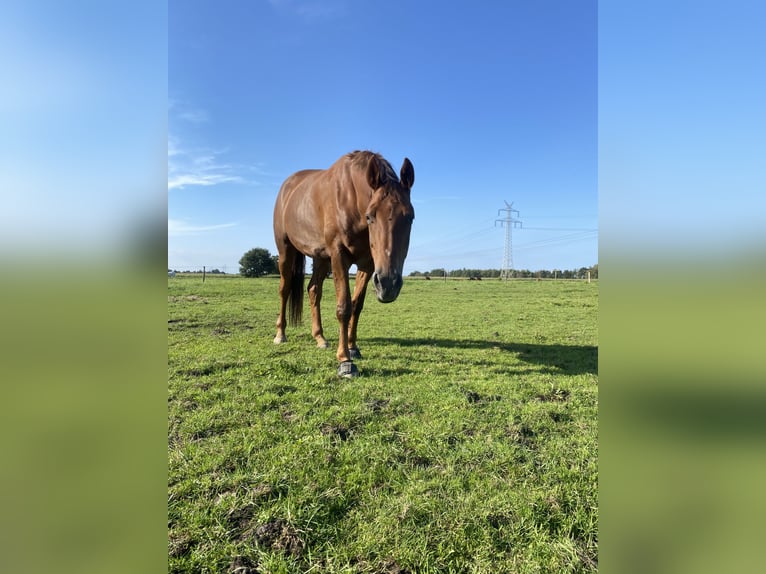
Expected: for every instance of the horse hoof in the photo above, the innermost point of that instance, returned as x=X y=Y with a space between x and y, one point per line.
x=347 y=370
x=354 y=353
x=322 y=345
x=279 y=340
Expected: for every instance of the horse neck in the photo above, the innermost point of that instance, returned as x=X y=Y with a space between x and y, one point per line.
x=362 y=189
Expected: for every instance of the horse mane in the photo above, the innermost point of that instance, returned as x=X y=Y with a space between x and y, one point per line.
x=361 y=159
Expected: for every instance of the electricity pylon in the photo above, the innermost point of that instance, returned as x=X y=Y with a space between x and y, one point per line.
x=510 y=222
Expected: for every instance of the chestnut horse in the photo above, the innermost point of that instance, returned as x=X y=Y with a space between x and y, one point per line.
x=355 y=212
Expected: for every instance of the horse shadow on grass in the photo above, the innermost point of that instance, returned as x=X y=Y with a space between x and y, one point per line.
x=567 y=359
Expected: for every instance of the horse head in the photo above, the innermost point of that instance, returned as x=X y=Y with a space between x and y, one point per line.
x=389 y=221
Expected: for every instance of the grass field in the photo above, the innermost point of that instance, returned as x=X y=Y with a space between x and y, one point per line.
x=468 y=443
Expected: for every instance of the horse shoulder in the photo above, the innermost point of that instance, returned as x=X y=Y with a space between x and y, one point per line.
x=351 y=204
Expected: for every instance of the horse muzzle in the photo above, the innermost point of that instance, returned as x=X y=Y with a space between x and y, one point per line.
x=387 y=285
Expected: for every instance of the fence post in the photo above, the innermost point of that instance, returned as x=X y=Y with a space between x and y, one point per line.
x=203 y=273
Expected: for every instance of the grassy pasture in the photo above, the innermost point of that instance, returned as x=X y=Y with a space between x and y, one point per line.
x=468 y=443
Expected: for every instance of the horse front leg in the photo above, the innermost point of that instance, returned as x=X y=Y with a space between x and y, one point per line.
x=357 y=304
x=321 y=267
x=343 y=313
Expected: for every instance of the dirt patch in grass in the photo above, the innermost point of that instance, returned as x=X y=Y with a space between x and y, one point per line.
x=281 y=390
x=386 y=566
x=453 y=440
x=278 y=536
x=205 y=370
x=243 y=565
x=588 y=556
x=338 y=432
x=377 y=405
x=188 y=405
x=411 y=458
x=240 y=521
x=521 y=434
x=263 y=491
x=288 y=415
x=558 y=417
x=498 y=520
x=554 y=395
x=391 y=567
x=212 y=430
x=179 y=544
x=177 y=298
x=473 y=397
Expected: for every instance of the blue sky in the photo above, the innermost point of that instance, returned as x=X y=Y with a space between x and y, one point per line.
x=492 y=102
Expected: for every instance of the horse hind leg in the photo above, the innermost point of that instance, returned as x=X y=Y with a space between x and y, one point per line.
x=287 y=260
x=284 y=291
x=320 y=270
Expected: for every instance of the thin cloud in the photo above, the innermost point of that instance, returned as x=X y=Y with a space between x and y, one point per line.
x=312 y=10
x=197 y=167
x=422 y=201
x=180 y=110
x=194 y=116
x=178 y=227
x=192 y=165
x=201 y=179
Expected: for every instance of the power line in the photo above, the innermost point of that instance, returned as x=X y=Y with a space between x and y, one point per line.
x=561 y=229
x=509 y=222
x=560 y=239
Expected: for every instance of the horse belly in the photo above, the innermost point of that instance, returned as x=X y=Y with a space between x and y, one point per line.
x=305 y=230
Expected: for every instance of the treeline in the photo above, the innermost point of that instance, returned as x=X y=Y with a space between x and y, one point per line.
x=581 y=273
x=211 y=272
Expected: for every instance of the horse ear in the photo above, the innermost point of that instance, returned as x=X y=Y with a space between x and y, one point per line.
x=373 y=173
x=407 y=175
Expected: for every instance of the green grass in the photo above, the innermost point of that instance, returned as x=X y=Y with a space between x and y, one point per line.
x=468 y=443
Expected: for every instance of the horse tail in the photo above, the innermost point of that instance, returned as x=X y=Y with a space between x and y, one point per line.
x=295 y=297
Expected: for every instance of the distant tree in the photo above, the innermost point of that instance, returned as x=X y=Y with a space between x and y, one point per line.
x=256 y=263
